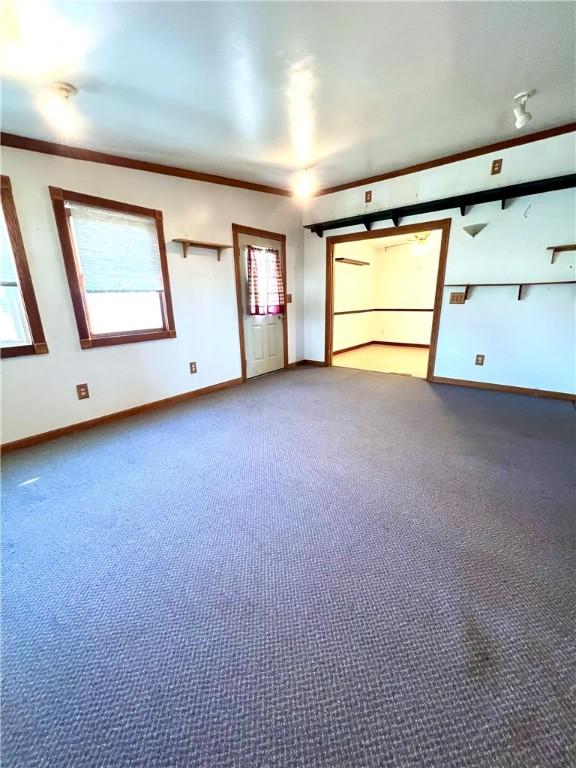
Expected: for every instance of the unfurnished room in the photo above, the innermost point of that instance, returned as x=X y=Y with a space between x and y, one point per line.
x=288 y=384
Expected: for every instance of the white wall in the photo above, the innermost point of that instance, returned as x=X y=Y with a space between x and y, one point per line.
x=395 y=278
x=354 y=285
x=404 y=279
x=403 y=327
x=354 y=289
x=529 y=343
x=39 y=391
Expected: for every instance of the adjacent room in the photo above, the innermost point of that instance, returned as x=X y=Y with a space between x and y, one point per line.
x=384 y=291
x=288 y=384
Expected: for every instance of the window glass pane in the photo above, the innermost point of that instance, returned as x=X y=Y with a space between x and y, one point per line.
x=265 y=286
x=14 y=329
x=118 y=312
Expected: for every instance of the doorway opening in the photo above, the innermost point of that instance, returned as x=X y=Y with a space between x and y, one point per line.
x=260 y=269
x=383 y=298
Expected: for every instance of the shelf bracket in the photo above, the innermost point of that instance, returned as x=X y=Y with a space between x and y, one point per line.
x=466 y=292
x=556 y=249
x=396 y=219
x=503 y=204
x=520 y=289
x=463 y=210
x=367 y=223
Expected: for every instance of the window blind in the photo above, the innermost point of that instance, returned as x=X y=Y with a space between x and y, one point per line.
x=117 y=251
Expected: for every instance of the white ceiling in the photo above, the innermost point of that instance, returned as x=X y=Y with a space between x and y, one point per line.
x=373 y=246
x=381 y=244
x=255 y=90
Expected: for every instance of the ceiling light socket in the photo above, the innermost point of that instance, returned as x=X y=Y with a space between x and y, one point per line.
x=64 y=90
x=56 y=105
x=521 y=114
x=304 y=184
x=523 y=96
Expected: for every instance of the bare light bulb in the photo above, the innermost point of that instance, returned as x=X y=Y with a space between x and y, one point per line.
x=421 y=245
x=57 y=109
x=420 y=249
x=304 y=185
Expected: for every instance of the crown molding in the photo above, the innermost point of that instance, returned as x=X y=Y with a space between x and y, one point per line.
x=497 y=146
x=93 y=156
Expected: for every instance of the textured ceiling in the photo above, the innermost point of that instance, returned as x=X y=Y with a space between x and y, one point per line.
x=257 y=90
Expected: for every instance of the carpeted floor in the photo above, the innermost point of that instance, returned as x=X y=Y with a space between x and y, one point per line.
x=324 y=567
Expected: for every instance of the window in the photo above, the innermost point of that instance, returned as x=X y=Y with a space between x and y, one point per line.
x=115 y=260
x=265 y=283
x=21 y=330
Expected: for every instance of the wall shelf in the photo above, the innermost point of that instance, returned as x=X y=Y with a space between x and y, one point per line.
x=355 y=262
x=518 y=284
x=218 y=247
x=461 y=202
x=559 y=249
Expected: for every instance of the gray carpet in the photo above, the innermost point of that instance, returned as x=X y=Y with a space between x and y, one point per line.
x=324 y=567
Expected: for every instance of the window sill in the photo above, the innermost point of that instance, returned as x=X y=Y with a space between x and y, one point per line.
x=125 y=338
x=24 y=349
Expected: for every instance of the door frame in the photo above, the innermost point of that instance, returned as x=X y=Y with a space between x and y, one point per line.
x=425 y=226
x=237 y=230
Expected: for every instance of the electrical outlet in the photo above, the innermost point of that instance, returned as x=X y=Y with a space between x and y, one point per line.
x=496 y=166
x=368 y=196
x=193 y=368
x=479 y=360
x=457 y=298
x=82 y=391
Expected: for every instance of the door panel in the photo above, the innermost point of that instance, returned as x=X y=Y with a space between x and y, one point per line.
x=272 y=340
x=257 y=342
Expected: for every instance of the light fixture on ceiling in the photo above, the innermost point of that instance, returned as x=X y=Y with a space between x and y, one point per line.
x=521 y=115
x=304 y=184
x=56 y=106
x=421 y=245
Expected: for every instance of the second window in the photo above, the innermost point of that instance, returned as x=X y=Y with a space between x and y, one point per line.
x=116 y=265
